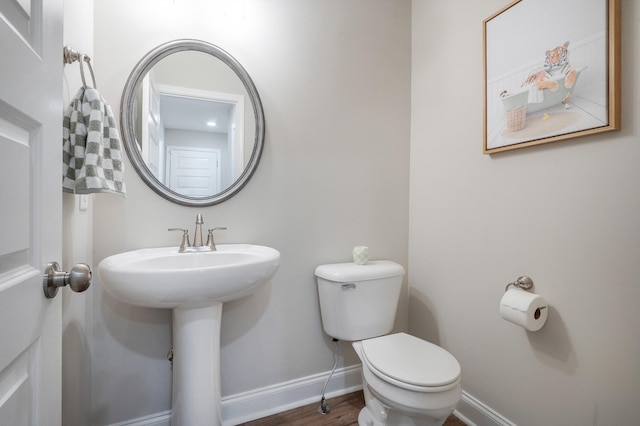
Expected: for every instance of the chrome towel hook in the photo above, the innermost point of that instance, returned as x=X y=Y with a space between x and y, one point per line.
x=70 y=56
x=522 y=282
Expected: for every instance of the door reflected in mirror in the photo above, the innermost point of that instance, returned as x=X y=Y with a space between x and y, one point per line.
x=192 y=122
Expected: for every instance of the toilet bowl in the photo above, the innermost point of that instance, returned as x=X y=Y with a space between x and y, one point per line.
x=406 y=381
x=410 y=381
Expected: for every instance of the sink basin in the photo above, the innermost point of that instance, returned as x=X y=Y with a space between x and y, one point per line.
x=194 y=286
x=164 y=278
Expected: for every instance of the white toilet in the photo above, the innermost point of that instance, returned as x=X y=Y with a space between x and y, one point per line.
x=406 y=381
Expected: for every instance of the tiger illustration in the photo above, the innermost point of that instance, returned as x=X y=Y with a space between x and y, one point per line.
x=556 y=63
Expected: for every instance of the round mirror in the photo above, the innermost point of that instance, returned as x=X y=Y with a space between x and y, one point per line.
x=192 y=122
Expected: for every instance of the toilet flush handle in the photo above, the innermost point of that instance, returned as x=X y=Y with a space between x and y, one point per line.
x=350 y=286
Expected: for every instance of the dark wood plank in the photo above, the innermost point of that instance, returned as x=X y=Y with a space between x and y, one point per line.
x=344 y=412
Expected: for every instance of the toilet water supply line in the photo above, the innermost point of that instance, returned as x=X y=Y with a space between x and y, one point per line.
x=324 y=408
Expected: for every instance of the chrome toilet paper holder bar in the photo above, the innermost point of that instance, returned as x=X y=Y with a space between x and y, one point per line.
x=523 y=282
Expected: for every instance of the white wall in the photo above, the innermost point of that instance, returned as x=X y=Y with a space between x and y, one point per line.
x=565 y=213
x=334 y=78
x=77 y=241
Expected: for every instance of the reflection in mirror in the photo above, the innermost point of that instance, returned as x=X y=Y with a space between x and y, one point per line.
x=192 y=123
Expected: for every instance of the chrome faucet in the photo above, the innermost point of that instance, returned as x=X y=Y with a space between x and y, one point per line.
x=197 y=235
x=210 y=242
x=185 y=245
x=185 y=239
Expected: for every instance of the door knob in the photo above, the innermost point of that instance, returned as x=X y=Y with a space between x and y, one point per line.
x=79 y=279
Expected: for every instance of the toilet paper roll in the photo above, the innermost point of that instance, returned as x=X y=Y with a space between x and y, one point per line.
x=523 y=308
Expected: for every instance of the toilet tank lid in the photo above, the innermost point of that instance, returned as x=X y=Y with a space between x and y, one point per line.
x=351 y=272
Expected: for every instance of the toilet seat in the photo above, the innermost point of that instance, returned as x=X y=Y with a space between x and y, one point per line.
x=411 y=363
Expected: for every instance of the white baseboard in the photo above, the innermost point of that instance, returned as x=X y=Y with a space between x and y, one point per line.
x=475 y=413
x=255 y=404
x=158 y=419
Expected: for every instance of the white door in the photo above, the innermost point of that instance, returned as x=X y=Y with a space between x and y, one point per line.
x=30 y=209
x=194 y=172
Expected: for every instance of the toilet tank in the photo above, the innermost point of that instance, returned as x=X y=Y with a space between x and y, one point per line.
x=359 y=301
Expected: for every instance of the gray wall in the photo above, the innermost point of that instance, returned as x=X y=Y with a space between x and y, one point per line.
x=334 y=78
x=565 y=213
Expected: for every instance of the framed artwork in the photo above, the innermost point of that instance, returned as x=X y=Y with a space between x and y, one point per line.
x=551 y=72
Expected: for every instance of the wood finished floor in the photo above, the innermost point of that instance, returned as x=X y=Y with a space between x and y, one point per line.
x=344 y=412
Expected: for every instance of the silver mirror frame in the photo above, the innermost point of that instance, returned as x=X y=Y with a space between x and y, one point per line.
x=127 y=108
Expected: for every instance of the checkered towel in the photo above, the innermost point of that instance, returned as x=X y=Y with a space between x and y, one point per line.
x=92 y=150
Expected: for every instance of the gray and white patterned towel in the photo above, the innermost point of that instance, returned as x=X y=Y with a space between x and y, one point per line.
x=91 y=147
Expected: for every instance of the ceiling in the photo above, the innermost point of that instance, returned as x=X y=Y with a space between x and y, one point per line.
x=184 y=113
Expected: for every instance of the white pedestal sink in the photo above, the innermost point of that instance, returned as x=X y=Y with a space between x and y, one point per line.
x=194 y=285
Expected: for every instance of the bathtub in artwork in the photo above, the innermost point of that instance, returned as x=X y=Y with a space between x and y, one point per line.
x=530 y=99
x=543 y=100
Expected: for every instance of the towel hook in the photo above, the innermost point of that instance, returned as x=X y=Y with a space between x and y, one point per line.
x=70 y=56
x=93 y=77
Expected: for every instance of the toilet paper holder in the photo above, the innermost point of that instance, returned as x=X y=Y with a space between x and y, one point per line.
x=526 y=283
x=523 y=282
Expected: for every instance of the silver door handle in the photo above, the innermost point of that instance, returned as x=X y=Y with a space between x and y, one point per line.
x=79 y=279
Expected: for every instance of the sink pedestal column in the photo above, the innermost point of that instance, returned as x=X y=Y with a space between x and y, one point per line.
x=196 y=366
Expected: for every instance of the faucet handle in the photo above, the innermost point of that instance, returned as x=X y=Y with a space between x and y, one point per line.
x=185 y=239
x=210 y=242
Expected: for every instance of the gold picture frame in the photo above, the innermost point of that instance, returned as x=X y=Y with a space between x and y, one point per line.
x=551 y=72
